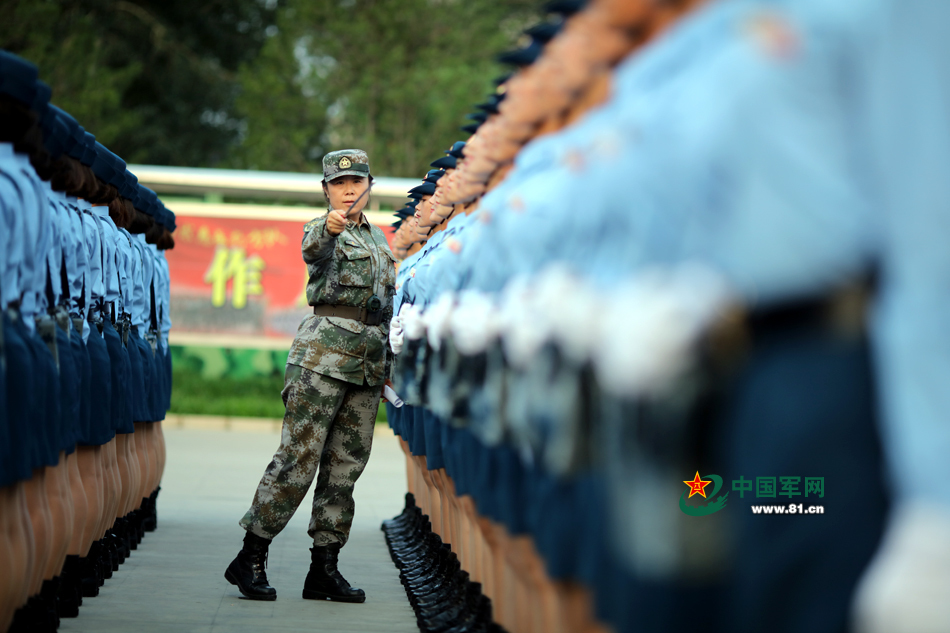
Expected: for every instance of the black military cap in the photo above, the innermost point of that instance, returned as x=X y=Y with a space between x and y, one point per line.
x=498 y=81
x=415 y=202
x=446 y=162
x=41 y=101
x=522 y=56
x=415 y=196
x=426 y=189
x=405 y=212
x=488 y=107
x=105 y=166
x=478 y=117
x=130 y=185
x=89 y=153
x=456 y=149
x=471 y=129
x=55 y=133
x=18 y=78
x=545 y=31
x=73 y=142
x=564 y=7
x=433 y=175
x=491 y=103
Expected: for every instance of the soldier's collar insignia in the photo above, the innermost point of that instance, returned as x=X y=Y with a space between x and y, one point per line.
x=345 y=163
x=774 y=34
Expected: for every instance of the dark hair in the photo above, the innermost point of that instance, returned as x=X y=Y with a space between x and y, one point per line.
x=154 y=233
x=166 y=241
x=20 y=126
x=139 y=223
x=67 y=176
x=119 y=212
x=104 y=194
x=90 y=184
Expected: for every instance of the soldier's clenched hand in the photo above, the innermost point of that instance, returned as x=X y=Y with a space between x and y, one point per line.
x=336 y=222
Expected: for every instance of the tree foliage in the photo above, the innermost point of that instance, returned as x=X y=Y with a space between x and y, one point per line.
x=155 y=80
x=268 y=84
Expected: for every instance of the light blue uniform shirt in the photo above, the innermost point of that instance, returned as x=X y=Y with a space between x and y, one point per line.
x=440 y=274
x=157 y=289
x=36 y=235
x=414 y=289
x=95 y=287
x=77 y=266
x=108 y=234
x=141 y=278
x=163 y=296
x=60 y=254
x=11 y=239
x=404 y=274
x=909 y=122
x=126 y=279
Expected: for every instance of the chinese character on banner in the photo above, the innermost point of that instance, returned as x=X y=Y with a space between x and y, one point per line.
x=233 y=264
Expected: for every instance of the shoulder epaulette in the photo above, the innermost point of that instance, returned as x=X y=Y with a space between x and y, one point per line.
x=309 y=225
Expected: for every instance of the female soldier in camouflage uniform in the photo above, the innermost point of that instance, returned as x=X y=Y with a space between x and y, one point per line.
x=336 y=370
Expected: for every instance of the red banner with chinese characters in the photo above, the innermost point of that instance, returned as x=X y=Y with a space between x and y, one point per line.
x=243 y=277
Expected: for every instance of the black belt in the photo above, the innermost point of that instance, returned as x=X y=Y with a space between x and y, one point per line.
x=349 y=312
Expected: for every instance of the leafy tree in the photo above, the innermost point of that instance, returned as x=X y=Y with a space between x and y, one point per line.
x=155 y=80
x=394 y=77
x=268 y=84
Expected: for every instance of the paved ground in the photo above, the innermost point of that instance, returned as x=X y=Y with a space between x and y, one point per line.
x=175 y=582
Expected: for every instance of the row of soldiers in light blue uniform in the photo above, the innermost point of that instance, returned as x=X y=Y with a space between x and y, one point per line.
x=84 y=291
x=736 y=266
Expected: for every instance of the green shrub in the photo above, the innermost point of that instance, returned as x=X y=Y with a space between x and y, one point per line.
x=250 y=396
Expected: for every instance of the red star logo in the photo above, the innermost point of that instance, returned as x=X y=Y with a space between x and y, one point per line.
x=697 y=486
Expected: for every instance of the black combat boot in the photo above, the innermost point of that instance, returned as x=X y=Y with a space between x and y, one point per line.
x=247 y=570
x=324 y=582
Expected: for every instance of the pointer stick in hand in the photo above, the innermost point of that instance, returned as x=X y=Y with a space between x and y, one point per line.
x=336 y=221
x=357 y=201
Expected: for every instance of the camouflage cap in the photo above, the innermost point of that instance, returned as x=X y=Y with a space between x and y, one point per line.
x=345 y=162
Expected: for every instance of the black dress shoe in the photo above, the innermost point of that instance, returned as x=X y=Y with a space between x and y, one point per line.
x=89 y=580
x=105 y=560
x=324 y=582
x=248 y=569
x=70 y=588
x=149 y=507
x=33 y=617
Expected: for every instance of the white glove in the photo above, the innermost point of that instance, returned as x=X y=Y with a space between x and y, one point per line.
x=396 y=334
x=906 y=589
x=437 y=318
x=575 y=312
x=652 y=326
x=412 y=322
x=474 y=322
x=523 y=325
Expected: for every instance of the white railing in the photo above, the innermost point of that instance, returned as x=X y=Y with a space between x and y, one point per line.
x=272 y=185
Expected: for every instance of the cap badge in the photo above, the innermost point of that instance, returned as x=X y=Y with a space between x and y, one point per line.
x=345 y=163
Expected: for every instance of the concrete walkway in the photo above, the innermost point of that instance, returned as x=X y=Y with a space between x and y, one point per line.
x=175 y=582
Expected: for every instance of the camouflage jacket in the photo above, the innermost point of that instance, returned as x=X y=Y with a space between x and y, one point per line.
x=346 y=270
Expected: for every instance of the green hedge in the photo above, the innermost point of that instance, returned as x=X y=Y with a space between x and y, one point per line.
x=247 y=396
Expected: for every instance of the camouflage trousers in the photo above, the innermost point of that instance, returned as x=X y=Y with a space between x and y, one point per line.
x=328 y=426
